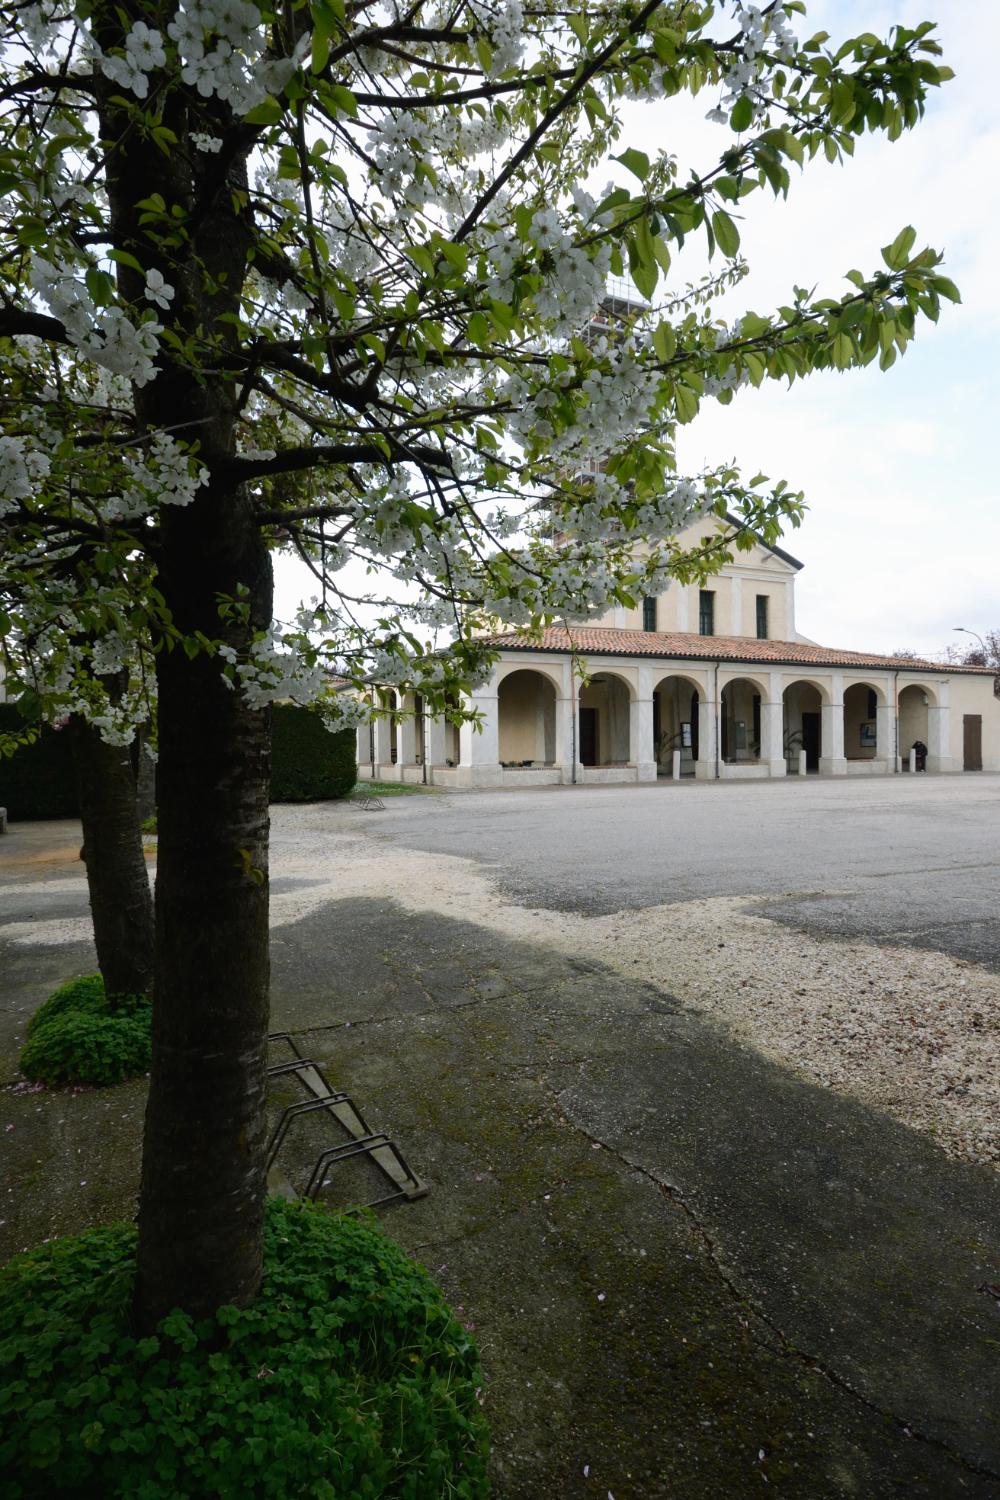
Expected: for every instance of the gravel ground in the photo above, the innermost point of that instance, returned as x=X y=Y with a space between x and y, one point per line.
x=909 y=1031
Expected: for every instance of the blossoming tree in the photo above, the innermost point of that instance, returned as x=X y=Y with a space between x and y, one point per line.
x=325 y=276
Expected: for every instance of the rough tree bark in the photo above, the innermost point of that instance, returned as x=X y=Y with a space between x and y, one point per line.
x=117 y=879
x=202 y=1190
x=202 y=1195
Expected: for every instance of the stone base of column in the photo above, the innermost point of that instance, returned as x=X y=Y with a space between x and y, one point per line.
x=943 y=765
x=704 y=770
x=830 y=765
x=647 y=770
x=484 y=776
x=777 y=767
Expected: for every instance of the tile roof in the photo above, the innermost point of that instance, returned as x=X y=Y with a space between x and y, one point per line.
x=590 y=640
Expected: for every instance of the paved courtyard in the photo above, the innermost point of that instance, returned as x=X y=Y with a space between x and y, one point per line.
x=703 y=1080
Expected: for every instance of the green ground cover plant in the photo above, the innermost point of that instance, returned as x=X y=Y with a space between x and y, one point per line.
x=81 y=1035
x=348 y=1379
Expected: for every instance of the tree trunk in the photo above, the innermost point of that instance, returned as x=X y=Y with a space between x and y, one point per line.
x=201 y=1205
x=202 y=1195
x=120 y=903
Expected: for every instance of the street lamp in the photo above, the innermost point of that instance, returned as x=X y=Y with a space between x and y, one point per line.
x=964 y=630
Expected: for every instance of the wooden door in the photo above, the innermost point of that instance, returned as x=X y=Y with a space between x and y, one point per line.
x=972 y=742
x=588 y=736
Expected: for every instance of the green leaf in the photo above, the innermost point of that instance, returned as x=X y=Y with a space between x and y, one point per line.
x=342 y=99
x=685 y=403
x=267 y=111
x=636 y=161
x=664 y=342
x=742 y=113
x=897 y=254
x=946 y=287
x=320 y=50
x=726 y=233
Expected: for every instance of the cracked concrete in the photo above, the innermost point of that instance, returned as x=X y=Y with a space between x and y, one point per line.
x=692 y=1271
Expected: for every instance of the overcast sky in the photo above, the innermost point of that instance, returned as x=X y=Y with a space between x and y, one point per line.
x=902 y=536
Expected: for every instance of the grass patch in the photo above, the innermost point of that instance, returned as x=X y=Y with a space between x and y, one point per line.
x=348 y=1379
x=80 y=1035
x=389 y=789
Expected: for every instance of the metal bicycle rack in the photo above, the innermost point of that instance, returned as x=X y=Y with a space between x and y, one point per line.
x=370 y=801
x=361 y=1140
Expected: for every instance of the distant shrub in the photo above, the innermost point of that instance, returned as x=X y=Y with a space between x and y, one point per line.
x=80 y=1036
x=39 y=780
x=308 y=763
x=348 y=1379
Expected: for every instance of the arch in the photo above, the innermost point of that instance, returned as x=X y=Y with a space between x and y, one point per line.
x=932 y=691
x=881 y=696
x=761 y=685
x=914 y=723
x=740 y=720
x=551 y=674
x=802 y=704
x=604 y=729
x=526 y=718
x=677 y=700
x=862 y=702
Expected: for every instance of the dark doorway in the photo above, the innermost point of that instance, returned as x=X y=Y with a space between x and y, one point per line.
x=695 y=700
x=811 y=739
x=972 y=742
x=588 y=736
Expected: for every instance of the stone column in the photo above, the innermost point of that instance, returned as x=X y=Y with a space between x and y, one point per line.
x=642 y=751
x=832 y=760
x=706 y=767
x=567 y=731
x=772 y=729
x=939 y=756
x=364 y=750
x=435 y=742
x=886 y=735
x=383 y=745
x=406 y=735
x=479 y=764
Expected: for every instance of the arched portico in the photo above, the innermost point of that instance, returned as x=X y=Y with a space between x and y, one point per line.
x=740 y=711
x=802 y=724
x=677 y=702
x=869 y=738
x=604 y=721
x=912 y=716
x=526 y=709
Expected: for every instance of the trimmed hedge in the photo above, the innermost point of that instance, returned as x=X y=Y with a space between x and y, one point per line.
x=308 y=763
x=348 y=1379
x=80 y=1036
x=39 y=780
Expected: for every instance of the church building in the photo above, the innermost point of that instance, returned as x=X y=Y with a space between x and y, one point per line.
x=710 y=682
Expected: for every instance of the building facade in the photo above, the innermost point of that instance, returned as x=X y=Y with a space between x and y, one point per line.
x=711 y=683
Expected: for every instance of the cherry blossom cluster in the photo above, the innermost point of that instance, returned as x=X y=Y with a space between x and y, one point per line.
x=165 y=474
x=761 y=29
x=280 y=668
x=503 y=24
x=22 y=468
x=105 y=335
x=220 y=45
